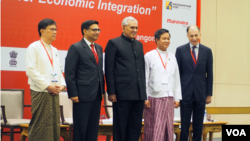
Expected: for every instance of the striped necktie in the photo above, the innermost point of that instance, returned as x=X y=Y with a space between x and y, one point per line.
x=95 y=54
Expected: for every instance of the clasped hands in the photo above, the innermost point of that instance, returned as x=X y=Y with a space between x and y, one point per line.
x=55 y=89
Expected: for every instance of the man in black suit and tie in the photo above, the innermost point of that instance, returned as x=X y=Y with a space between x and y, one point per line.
x=85 y=82
x=125 y=77
x=195 y=63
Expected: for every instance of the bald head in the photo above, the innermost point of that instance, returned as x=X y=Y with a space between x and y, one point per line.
x=193 y=34
x=193 y=27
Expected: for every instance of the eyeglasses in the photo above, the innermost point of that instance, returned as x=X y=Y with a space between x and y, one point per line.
x=95 y=29
x=134 y=27
x=53 y=29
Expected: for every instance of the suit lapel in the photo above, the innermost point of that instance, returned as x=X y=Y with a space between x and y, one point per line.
x=188 y=55
x=99 y=53
x=89 y=52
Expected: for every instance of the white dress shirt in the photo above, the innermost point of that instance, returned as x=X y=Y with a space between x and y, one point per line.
x=161 y=82
x=39 y=68
x=196 y=50
x=88 y=43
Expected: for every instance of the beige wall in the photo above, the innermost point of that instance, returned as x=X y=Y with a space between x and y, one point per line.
x=225 y=28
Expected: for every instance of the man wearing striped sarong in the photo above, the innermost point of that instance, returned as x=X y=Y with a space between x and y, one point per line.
x=163 y=90
x=46 y=81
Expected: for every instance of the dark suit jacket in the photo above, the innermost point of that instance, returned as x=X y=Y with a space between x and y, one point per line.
x=199 y=80
x=125 y=69
x=83 y=76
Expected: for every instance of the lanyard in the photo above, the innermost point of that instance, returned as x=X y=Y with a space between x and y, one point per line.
x=164 y=65
x=50 y=58
x=193 y=57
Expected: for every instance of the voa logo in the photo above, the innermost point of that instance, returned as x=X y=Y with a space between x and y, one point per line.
x=236 y=132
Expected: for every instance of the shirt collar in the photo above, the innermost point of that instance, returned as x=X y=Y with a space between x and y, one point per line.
x=45 y=44
x=126 y=38
x=193 y=45
x=160 y=51
x=88 y=42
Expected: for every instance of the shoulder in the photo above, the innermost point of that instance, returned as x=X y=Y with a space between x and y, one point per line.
x=35 y=44
x=54 y=48
x=150 y=53
x=205 y=47
x=75 y=45
x=171 y=54
x=138 y=42
x=117 y=39
x=183 y=46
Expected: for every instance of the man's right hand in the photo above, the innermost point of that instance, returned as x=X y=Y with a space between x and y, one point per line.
x=112 y=98
x=147 y=104
x=52 y=89
x=75 y=99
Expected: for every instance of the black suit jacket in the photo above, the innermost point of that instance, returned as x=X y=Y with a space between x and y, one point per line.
x=125 y=69
x=82 y=74
x=199 y=80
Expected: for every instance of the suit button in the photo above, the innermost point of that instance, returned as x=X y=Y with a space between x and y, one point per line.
x=136 y=60
x=98 y=80
x=135 y=52
x=138 y=78
x=137 y=69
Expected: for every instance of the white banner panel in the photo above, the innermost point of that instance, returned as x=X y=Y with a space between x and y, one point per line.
x=13 y=58
x=177 y=15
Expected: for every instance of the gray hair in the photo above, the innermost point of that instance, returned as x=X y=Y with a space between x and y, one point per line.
x=129 y=18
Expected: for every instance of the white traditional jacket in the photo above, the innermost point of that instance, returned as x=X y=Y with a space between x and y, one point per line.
x=161 y=82
x=39 y=68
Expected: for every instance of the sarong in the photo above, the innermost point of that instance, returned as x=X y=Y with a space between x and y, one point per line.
x=158 y=120
x=45 y=121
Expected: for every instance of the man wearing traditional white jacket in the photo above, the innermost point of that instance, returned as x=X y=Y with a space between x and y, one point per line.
x=163 y=90
x=46 y=81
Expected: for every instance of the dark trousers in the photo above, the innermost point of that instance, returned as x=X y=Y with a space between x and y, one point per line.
x=86 y=119
x=198 y=108
x=127 y=120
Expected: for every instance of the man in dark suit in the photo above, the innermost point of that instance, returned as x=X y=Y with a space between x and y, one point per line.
x=195 y=63
x=125 y=77
x=85 y=82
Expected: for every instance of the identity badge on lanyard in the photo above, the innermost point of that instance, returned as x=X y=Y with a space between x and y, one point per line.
x=53 y=74
x=164 y=76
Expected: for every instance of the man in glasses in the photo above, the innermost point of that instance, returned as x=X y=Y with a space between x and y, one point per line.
x=85 y=82
x=125 y=76
x=46 y=81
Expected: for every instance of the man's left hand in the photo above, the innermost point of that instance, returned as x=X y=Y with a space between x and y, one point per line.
x=176 y=104
x=209 y=99
x=59 y=88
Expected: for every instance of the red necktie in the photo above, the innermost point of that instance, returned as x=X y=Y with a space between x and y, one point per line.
x=95 y=54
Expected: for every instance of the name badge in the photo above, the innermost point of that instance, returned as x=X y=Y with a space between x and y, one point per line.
x=164 y=78
x=54 y=76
